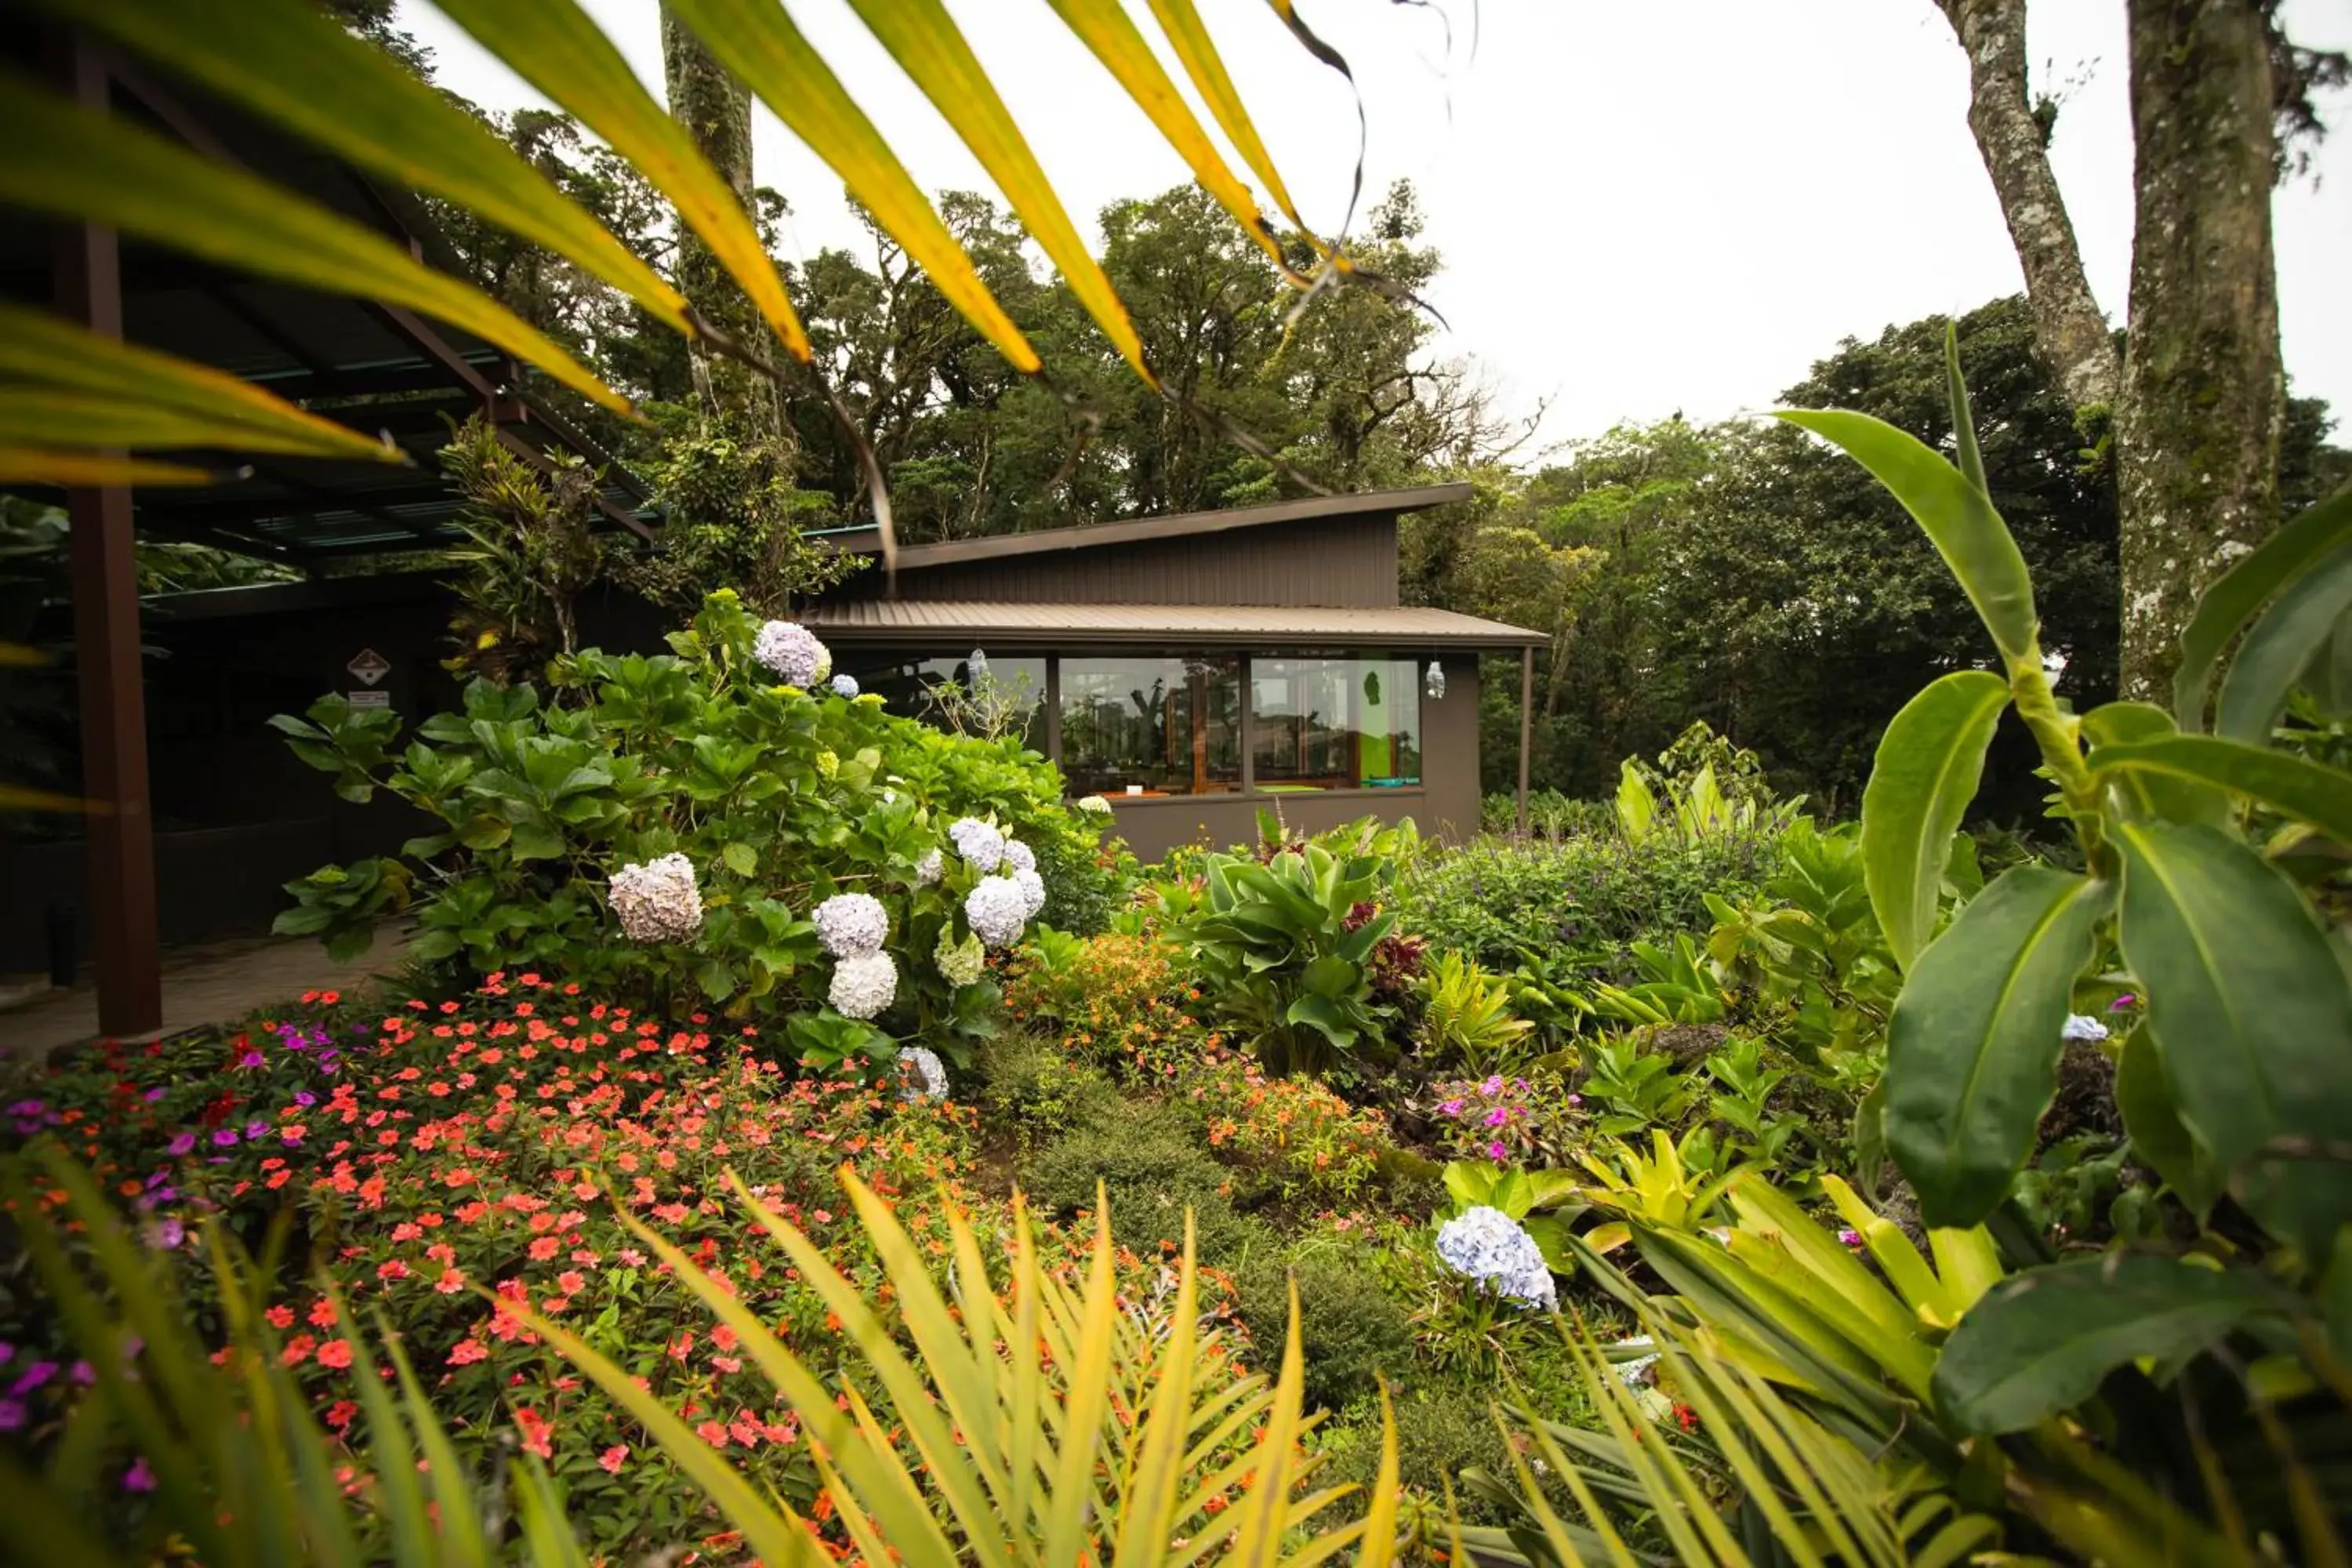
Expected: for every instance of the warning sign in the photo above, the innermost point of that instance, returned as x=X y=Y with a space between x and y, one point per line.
x=368 y=698
x=368 y=665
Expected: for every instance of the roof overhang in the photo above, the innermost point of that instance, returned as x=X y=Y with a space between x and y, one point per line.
x=915 y=623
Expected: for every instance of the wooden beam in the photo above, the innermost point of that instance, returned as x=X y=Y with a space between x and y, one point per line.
x=1527 y=726
x=121 y=828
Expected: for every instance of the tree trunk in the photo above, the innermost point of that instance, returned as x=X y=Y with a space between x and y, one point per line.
x=717 y=113
x=2068 y=325
x=2197 y=430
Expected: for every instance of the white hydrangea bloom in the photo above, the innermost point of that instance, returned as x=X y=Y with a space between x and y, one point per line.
x=1032 y=892
x=996 y=909
x=1489 y=1247
x=1093 y=806
x=851 y=924
x=2082 y=1026
x=657 y=901
x=981 y=845
x=961 y=962
x=1019 y=856
x=844 y=686
x=922 y=1074
x=863 y=984
x=792 y=651
x=930 y=868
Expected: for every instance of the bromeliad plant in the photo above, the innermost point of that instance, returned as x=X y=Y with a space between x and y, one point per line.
x=2201 y=849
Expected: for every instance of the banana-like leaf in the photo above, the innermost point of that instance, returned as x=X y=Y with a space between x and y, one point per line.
x=555 y=47
x=288 y=62
x=1964 y=424
x=1972 y=1047
x=2043 y=1340
x=2226 y=606
x=2292 y=785
x=2149 y=792
x=757 y=41
x=41 y=350
x=2249 y=1010
x=1929 y=762
x=1957 y=516
x=925 y=41
x=2279 y=646
x=1104 y=27
x=48 y=466
x=2154 y=1124
x=74 y=162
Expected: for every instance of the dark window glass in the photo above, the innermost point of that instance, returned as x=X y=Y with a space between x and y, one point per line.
x=1334 y=723
x=1151 y=726
x=1006 y=696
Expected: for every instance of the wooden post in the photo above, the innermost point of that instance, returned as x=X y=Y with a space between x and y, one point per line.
x=121 y=841
x=1246 y=663
x=1527 y=726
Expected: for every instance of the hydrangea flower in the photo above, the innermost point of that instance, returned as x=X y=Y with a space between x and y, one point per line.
x=981 y=845
x=1488 y=1246
x=930 y=868
x=960 y=963
x=1019 y=856
x=851 y=924
x=659 y=902
x=2083 y=1026
x=792 y=651
x=863 y=984
x=996 y=909
x=1093 y=806
x=843 y=685
x=922 y=1074
x=1032 y=892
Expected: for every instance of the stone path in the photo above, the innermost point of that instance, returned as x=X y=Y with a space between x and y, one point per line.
x=208 y=982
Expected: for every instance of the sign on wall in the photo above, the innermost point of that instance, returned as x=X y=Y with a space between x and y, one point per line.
x=368 y=665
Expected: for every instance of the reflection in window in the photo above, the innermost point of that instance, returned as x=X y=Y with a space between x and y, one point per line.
x=1006 y=696
x=1334 y=723
x=1151 y=726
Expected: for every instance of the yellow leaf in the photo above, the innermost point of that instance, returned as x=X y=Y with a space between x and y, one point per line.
x=32 y=466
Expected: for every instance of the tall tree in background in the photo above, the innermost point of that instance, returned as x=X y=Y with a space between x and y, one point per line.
x=717 y=113
x=2197 y=396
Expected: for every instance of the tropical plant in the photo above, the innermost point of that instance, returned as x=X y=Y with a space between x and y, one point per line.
x=1679 y=986
x=1808 y=958
x=1465 y=1015
x=1280 y=955
x=1050 y=1422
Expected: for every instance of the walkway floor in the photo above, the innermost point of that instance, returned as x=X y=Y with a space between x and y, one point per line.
x=209 y=983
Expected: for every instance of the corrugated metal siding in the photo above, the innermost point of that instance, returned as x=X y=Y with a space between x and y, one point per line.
x=1335 y=562
x=917 y=621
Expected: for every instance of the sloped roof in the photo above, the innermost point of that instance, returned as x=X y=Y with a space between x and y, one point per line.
x=1195 y=626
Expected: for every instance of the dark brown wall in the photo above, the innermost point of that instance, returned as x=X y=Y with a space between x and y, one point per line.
x=1334 y=561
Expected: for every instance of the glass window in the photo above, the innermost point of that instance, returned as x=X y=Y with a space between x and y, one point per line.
x=1334 y=723
x=1151 y=726
x=1006 y=698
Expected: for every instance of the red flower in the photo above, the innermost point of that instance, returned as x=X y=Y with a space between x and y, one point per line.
x=336 y=1353
x=712 y=1433
x=468 y=1353
x=613 y=1458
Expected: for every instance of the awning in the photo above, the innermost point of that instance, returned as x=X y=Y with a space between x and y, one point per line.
x=1014 y=624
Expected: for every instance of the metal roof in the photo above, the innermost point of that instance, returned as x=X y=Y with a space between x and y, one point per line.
x=1194 y=626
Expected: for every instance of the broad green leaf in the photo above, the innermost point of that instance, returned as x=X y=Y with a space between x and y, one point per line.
x=555 y=47
x=1104 y=27
x=40 y=466
x=2281 y=644
x=757 y=41
x=37 y=348
x=2244 y=588
x=2042 y=1341
x=1929 y=762
x=2287 y=783
x=923 y=38
x=74 y=162
x=1972 y=1046
x=1958 y=518
x=2150 y=791
x=1964 y=424
x=288 y=62
x=2154 y=1124
x=2249 y=1010
x=2329 y=678
x=740 y=857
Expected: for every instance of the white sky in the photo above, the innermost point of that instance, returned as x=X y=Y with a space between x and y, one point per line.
x=1642 y=207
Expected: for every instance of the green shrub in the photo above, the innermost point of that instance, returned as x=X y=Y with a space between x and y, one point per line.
x=1440 y=1432
x=1351 y=1331
x=1030 y=1084
x=1118 y=999
x=1153 y=1169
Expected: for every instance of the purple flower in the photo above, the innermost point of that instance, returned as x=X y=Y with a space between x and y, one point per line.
x=1452 y=1108
x=225 y=1137
x=1496 y=1118
x=166 y=1234
x=303 y=1097
x=1494 y=1151
x=28 y=1108
x=1851 y=1237
x=39 y=1373
x=1492 y=1085
x=2122 y=1001
x=1576 y=1100
x=183 y=1144
x=8 y=1352
x=252 y=1059
x=138 y=1478
x=152 y=1095
x=12 y=1415
x=81 y=1371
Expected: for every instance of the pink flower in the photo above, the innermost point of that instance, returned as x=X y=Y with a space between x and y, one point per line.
x=1496 y=1117
x=613 y=1458
x=1851 y=1237
x=138 y=1478
x=1496 y=1152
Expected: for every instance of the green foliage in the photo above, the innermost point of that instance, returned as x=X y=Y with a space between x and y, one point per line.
x=1279 y=956
x=1150 y=1164
x=1465 y=1015
x=1031 y=1085
x=532 y=550
x=1352 y=1332
x=777 y=798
